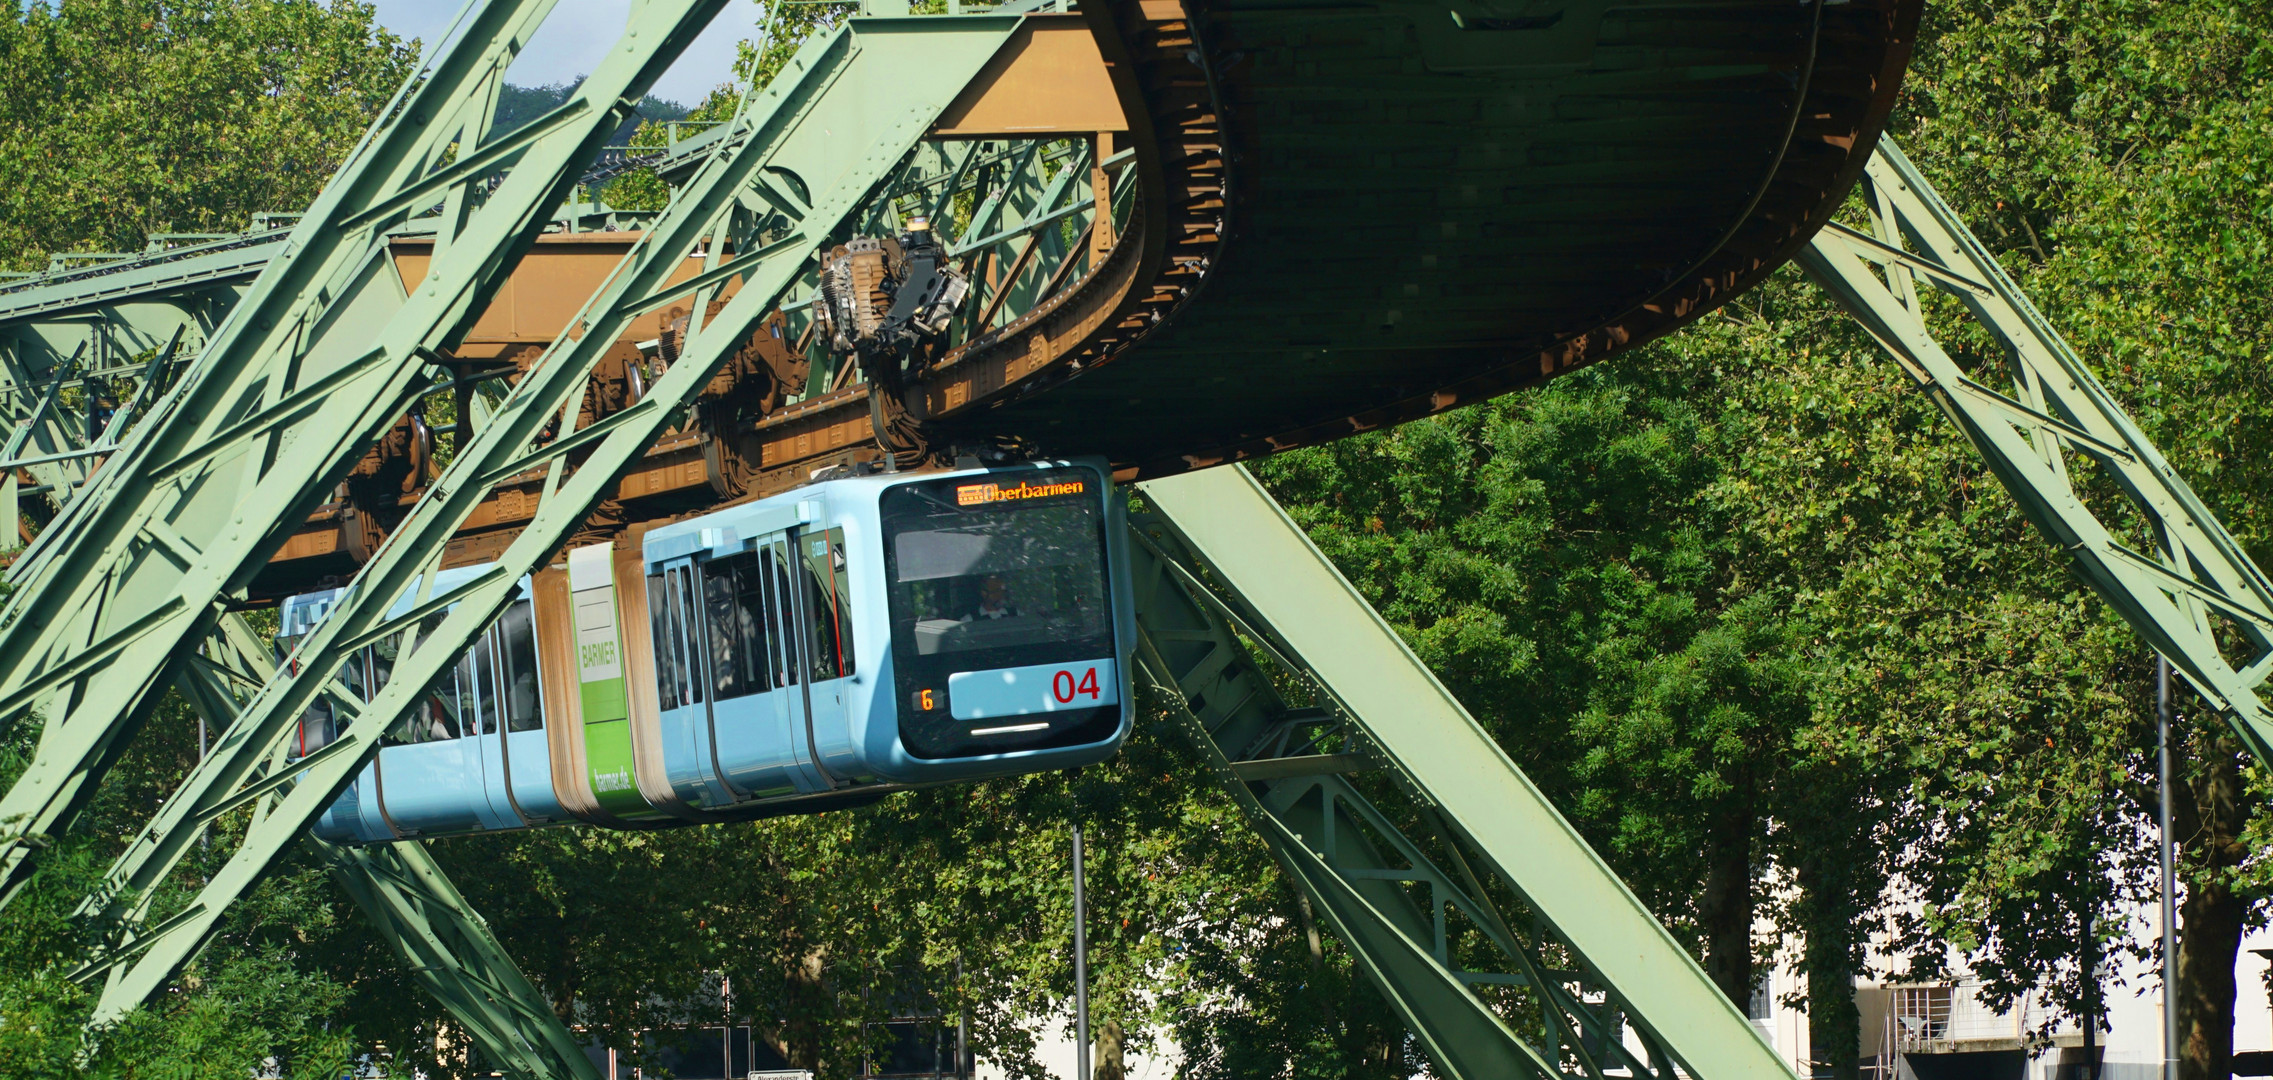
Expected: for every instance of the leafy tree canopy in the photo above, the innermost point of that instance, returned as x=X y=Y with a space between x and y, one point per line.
x=120 y=118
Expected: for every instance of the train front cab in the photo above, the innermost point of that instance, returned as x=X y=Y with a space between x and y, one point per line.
x=890 y=629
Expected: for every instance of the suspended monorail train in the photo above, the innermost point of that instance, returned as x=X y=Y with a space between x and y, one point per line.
x=811 y=650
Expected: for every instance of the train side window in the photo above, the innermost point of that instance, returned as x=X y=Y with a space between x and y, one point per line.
x=734 y=602
x=780 y=652
x=352 y=673
x=750 y=618
x=481 y=678
x=524 y=710
x=678 y=583
x=459 y=702
x=316 y=727
x=435 y=717
x=319 y=725
x=722 y=630
x=828 y=623
x=840 y=601
x=436 y=714
x=381 y=657
x=380 y=668
x=659 y=637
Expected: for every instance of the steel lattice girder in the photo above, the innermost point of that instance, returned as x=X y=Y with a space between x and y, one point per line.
x=89 y=346
x=448 y=948
x=2199 y=578
x=839 y=120
x=1218 y=561
x=308 y=369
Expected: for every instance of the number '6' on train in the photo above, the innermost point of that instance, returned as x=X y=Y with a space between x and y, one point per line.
x=810 y=650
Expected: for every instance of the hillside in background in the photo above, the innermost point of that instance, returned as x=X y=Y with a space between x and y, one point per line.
x=520 y=104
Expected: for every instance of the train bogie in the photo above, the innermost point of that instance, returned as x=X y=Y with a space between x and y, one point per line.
x=811 y=650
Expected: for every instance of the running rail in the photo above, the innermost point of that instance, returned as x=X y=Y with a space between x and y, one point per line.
x=1400 y=819
x=2198 y=579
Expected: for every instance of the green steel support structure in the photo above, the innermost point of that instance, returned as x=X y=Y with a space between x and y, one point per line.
x=839 y=146
x=444 y=944
x=447 y=947
x=1503 y=942
x=92 y=326
x=2198 y=590
x=308 y=369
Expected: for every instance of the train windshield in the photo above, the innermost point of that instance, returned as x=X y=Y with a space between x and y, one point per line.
x=991 y=574
x=1002 y=576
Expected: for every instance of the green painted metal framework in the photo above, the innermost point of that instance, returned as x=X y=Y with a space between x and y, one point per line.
x=443 y=943
x=2198 y=599
x=259 y=367
x=310 y=367
x=448 y=948
x=1499 y=936
x=89 y=329
x=796 y=130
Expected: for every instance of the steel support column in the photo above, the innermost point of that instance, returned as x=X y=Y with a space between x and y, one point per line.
x=1400 y=819
x=448 y=948
x=2198 y=586
x=443 y=943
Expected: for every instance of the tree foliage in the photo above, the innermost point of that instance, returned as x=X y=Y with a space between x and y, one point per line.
x=120 y=118
x=1975 y=727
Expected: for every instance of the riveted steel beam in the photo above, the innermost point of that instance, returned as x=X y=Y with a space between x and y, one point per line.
x=2198 y=584
x=1401 y=820
x=829 y=121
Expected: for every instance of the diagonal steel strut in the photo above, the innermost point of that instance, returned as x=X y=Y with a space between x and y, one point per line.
x=449 y=950
x=445 y=945
x=1218 y=567
x=2199 y=585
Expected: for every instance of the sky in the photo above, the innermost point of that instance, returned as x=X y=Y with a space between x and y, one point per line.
x=579 y=32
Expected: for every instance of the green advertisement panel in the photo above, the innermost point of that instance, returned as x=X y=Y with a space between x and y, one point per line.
x=600 y=682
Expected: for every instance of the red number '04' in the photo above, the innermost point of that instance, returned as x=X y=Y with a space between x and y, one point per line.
x=1064 y=687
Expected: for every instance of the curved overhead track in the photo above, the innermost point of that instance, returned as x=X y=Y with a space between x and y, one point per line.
x=1344 y=216
x=1423 y=208
x=1392 y=209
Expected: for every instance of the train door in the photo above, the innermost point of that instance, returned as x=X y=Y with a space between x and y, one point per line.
x=757 y=716
x=824 y=622
x=743 y=748
x=527 y=757
x=807 y=711
x=428 y=781
x=480 y=674
x=684 y=686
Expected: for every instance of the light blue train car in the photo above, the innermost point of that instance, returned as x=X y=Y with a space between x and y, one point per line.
x=813 y=649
